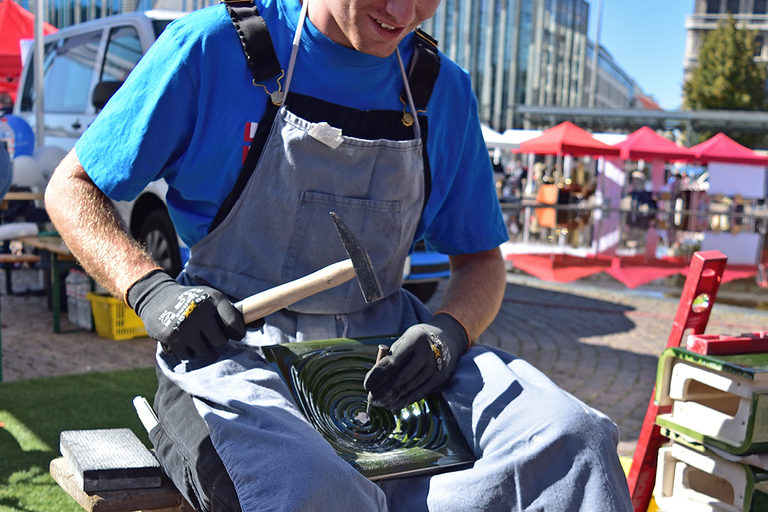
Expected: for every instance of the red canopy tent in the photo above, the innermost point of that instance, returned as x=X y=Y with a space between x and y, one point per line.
x=646 y=144
x=634 y=271
x=567 y=139
x=16 y=23
x=559 y=268
x=722 y=148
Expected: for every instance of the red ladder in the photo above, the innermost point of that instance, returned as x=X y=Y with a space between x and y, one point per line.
x=704 y=275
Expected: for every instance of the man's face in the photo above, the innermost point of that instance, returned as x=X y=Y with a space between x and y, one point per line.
x=370 y=26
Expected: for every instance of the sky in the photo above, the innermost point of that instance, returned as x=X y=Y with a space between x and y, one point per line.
x=647 y=39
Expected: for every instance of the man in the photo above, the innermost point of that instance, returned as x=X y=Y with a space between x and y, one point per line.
x=230 y=435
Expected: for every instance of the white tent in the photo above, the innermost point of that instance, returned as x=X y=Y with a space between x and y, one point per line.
x=610 y=138
x=515 y=137
x=495 y=140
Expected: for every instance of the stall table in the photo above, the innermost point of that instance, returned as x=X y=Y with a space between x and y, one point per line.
x=59 y=252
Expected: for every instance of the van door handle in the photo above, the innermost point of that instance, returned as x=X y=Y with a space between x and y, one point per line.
x=76 y=125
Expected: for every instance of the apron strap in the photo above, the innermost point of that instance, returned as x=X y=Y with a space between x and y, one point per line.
x=249 y=164
x=255 y=40
x=422 y=75
x=423 y=69
x=254 y=37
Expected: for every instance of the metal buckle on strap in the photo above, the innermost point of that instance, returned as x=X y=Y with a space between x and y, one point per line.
x=276 y=96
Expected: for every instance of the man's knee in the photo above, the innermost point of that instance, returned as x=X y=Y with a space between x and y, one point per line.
x=199 y=476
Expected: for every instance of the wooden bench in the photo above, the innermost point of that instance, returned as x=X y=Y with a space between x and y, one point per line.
x=158 y=499
x=7 y=260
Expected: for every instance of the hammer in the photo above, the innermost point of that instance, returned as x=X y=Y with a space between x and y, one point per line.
x=359 y=264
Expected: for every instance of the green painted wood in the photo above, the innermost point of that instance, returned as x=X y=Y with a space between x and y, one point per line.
x=756 y=491
x=752 y=367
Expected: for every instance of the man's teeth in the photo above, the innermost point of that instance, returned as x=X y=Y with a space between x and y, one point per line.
x=384 y=25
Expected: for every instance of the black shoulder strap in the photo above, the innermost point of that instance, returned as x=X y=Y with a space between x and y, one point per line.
x=423 y=69
x=422 y=75
x=255 y=39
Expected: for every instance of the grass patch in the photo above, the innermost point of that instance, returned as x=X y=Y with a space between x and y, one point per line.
x=35 y=411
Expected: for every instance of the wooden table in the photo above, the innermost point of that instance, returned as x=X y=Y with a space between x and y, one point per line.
x=19 y=196
x=22 y=196
x=59 y=252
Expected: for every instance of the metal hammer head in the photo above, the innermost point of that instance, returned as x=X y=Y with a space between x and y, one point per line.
x=366 y=278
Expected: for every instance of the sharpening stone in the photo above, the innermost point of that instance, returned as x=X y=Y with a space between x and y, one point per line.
x=109 y=459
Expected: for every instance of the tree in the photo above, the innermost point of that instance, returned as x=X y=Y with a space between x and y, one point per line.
x=727 y=77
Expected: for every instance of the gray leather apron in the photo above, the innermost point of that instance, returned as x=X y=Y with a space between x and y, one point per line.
x=279 y=229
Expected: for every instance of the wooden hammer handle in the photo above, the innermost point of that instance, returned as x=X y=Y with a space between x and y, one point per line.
x=267 y=302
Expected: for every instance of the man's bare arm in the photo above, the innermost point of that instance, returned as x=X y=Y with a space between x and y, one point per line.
x=475 y=289
x=92 y=229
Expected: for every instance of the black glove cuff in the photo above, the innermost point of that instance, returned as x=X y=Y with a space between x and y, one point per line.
x=453 y=330
x=143 y=285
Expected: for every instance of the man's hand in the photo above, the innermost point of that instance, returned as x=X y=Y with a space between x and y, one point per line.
x=420 y=362
x=188 y=320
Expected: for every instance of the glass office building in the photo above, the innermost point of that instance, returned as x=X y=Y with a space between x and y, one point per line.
x=615 y=88
x=529 y=52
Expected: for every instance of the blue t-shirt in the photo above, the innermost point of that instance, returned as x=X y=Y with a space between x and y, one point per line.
x=187 y=111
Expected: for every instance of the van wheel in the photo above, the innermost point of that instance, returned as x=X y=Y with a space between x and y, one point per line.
x=422 y=291
x=159 y=237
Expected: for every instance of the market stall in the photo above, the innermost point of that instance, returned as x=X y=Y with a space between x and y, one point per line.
x=564 y=141
x=647 y=145
x=726 y=158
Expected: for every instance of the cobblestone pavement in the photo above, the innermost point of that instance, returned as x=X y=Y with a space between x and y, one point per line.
x=599 y=342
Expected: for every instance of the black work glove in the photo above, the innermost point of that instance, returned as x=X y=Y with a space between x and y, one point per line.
x=188 y=320
x=420 y=362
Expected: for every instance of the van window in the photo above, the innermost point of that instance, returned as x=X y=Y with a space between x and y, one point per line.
x=159 y=26
x=69 y=73
x=123 y=52
x=28 y=95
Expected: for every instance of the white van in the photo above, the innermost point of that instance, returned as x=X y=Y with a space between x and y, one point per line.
x=83 y=66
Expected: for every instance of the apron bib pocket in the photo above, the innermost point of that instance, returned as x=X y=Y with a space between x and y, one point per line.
x=377 y=224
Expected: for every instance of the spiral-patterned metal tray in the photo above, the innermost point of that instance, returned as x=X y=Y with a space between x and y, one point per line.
x=326 y=378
